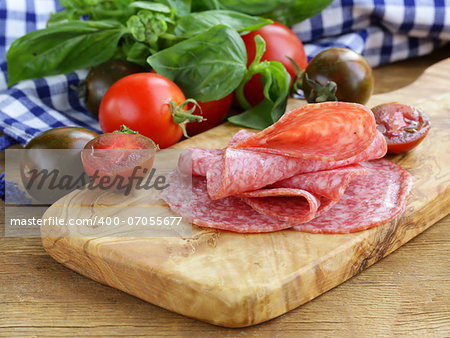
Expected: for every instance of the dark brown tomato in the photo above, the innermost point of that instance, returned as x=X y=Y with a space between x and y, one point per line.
x=62 y=138
x=103 y=76
x=403 y=126
x=349 y=70
x=55 y=149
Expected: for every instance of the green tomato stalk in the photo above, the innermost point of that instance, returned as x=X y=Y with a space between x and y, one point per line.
x=182 y=116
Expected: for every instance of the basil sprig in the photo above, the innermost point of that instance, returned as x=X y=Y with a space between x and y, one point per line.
x=197 y=44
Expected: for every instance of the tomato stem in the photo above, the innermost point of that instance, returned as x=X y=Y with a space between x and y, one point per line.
x=181 y=116
x=319 y=92
x=125 y=130
x=297 y=86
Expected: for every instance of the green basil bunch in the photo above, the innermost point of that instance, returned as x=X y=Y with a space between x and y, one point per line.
x=197 y=44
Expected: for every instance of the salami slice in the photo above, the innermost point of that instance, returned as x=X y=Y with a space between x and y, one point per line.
x=285 y=204
x=197 y=161
x=269 y=210
x=370 y=200
x=230 y=213
x=240 y=137
x=328 y=131
x=303 y=172
x=240 y=170
x=330 y=184
x=305 y=196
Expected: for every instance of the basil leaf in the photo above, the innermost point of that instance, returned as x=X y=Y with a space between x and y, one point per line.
x=297 y=11
x=276 y=90
x=196 y=23
x=137 y=53
x=181 y=7
x=288 y=12
x=58 y=18
x=206 y=67
x=204 y=5
x=62 y=48
x=253 y=7
x=150 y=6
x=276 y=83
x=257 y=117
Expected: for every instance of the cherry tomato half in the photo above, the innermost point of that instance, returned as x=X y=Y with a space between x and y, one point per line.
x=112 y=159
x=281 y=43
x=214 y=112
x=403 y=126
x=349 y=70
x=142 y=103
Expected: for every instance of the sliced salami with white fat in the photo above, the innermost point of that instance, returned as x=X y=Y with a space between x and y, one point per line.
x=330 y=184
x=230 y=213
x=285 y=204
x=197 y=161
x=241 y=170
x=370 y=200
x=328 y=131
x=302 y=172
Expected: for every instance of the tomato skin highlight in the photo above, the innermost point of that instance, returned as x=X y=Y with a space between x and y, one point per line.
x=404 y=127
x=118 y=156
x=349 y=70
x=142 y=103
x=214 y=112
x=281 y=42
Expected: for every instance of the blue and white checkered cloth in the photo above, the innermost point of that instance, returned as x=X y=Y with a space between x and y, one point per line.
x=382 y=31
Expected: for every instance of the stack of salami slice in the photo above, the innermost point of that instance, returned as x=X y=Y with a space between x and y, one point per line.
x=318 y=169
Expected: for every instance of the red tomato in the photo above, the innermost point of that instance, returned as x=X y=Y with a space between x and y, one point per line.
x=281 y=42
x=142 y=102
x=214 y=112
x=113 y=158
x=403 y=126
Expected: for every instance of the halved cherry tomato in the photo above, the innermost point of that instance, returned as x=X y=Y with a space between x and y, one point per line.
x=281 y=43
x=113 y=159
x=403 y=126
x=148 y=103
x=214 y=112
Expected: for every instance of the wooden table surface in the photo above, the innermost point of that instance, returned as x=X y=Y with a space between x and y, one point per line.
x=405 y=294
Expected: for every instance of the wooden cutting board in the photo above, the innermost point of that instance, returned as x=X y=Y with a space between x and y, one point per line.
x=236 y=280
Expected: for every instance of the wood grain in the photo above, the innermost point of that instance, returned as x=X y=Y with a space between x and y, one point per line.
x=405 y=294
x=240 y=280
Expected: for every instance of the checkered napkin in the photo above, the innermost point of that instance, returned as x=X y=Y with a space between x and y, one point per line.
x=383 y=31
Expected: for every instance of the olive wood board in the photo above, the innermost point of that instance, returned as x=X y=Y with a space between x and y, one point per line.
x=238 y=280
